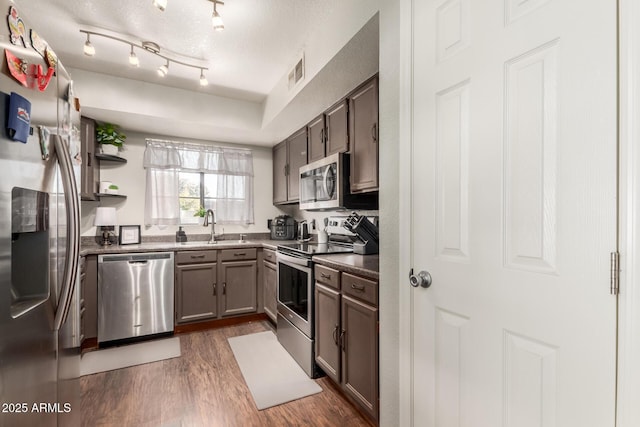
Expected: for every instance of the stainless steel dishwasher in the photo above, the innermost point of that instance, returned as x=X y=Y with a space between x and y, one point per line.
x=135 y=295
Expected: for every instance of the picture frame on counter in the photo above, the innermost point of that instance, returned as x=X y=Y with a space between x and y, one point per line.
x=129 y=235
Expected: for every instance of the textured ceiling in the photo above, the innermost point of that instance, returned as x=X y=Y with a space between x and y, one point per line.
x=261 y=40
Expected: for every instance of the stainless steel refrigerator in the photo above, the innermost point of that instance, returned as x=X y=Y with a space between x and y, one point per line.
x=39 y=248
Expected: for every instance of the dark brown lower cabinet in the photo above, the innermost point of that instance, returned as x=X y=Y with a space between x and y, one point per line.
x=359 y=339
x=239 y=293
x=327 y=307
x=346 y=339
x=270 y=285
x=196 y=292
x=211 y=284
x=89 y=301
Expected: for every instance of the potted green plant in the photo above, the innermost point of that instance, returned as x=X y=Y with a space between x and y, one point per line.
x=110 y=138
x=200 y=213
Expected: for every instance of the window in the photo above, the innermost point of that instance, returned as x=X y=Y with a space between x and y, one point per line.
x=183 y=177
x=210 y=191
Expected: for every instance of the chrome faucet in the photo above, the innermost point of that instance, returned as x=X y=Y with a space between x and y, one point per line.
x=213 y=224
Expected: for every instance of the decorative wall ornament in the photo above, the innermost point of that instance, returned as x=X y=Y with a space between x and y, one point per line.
x=38 y=43
x=17 y=29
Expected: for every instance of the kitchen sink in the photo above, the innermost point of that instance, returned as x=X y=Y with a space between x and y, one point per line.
x=201 y=243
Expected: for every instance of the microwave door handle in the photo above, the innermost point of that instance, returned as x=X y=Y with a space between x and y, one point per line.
x=325 y=183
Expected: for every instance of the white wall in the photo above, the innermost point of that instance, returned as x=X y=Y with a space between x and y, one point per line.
x=130 y=177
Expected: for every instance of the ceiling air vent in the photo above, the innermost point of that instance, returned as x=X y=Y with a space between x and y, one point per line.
x=297 y=73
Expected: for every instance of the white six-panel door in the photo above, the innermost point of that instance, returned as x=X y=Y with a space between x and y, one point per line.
x=512 y=208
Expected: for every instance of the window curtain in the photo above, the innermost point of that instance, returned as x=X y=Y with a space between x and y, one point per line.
x=233 y=168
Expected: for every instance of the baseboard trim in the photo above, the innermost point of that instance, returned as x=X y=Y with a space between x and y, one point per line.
x=218 y=323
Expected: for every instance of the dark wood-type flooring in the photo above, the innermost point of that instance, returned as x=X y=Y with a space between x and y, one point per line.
x=202 y=388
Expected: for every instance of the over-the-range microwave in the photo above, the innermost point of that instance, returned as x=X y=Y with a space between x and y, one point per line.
x=324 y=185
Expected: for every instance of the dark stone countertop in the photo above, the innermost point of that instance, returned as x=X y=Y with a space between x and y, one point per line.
x=94 y=249
x=362 y=265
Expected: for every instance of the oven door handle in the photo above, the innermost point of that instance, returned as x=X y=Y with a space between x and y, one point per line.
x=305 y=262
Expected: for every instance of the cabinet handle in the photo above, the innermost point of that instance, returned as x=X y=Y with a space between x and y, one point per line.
x=197 y=256
x=357 y=288
x=343 y=343
x=224 y=288
x=214 y=289
x=239 y=253
x=321 y=136
x=325 y=276
x=335 y=334
x=88 y=159
x=374 y=133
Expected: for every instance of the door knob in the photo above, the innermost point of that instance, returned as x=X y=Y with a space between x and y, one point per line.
x=422 y=279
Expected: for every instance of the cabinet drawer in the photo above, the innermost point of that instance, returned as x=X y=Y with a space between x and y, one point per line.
x=269 y=255
x=193 y=257
x=360 y=288
x=238 y=254
x=327 y=276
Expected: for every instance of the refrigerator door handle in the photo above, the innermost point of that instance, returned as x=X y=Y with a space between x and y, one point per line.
x=72 y=206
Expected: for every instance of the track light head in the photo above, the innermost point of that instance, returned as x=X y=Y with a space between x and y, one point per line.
x=163 y=70
x=216 y=20
x=160 y=4
x=133 y=58
x=89 y=50
x=203 y=79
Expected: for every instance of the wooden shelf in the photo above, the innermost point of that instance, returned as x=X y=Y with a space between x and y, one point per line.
x=111 y=158
x=120 y=196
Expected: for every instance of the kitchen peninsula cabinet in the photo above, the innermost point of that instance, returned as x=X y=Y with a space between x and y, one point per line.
x=196 y=286
x=288 y=156
x=270 y=284
x=238 y=276
x=363 y=137
x=346 y=343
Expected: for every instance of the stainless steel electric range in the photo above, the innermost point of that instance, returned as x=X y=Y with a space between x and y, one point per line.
x=296 y=287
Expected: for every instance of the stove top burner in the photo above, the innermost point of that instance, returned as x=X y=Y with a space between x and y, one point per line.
x=309 y=249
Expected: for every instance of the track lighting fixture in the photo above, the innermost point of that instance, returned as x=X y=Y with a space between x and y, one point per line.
x=203 y=79
x=133 y=58
x=89 y=50
x=160 y=4
x=163 y=70
x=147 y=46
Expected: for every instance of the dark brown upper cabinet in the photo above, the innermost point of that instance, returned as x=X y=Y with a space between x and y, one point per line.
x=90 y=169
x=316 y=132
x=329 y=132
x=280 y=161
x=363 y=137
x=288 y=156
x=337 y=128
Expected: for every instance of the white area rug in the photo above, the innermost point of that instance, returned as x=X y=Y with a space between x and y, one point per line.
x=270 y=372
x=129 y=355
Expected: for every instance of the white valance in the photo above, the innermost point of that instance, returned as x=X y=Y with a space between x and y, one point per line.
x=190 y=157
